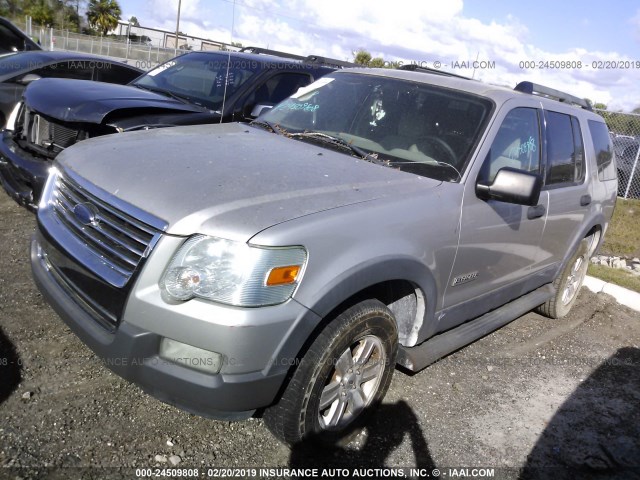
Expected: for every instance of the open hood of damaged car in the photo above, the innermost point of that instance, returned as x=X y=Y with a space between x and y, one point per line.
x=230 y=180
x=85 y=101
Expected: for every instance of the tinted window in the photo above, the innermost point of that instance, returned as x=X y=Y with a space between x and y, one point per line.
x=110 y=73
x=78 y=69
x=203 y=78
x=10 y=41
x=516 y=145
x=604 y=150
x=579 y=149
x=564 y=149
x=280 y=86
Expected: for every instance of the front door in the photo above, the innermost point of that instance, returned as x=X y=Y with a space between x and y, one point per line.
x=499 y=241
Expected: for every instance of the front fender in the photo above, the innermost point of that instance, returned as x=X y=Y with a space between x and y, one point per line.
x=374 y=272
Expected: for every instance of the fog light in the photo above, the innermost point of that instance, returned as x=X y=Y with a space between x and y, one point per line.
x=190 y=356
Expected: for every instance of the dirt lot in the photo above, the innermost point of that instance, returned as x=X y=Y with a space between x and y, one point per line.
x=536 y=399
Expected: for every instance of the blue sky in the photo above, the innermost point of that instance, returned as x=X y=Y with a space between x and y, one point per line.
x=500 y=31
x=558 y=25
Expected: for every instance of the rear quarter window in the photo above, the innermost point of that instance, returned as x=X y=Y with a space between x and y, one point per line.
x=604 y=150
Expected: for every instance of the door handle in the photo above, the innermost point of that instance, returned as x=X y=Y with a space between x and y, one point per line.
x=536 y=212
x=585 y=200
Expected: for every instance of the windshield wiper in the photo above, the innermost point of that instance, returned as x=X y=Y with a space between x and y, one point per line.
x=169 y=93
x=340 y=143
x=272 y=127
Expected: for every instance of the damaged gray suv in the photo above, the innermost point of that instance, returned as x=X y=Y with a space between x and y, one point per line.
x=376 y=217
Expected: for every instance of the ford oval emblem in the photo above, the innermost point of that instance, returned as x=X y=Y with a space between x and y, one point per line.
x=86 y=214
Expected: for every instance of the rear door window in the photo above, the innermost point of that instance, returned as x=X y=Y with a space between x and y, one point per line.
x=565 y=150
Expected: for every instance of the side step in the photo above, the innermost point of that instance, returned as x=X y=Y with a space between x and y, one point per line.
x=418 y=357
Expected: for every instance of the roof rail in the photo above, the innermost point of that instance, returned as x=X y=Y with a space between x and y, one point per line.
x=329 y=61
x=541 y=90
x=332 y=62
x=266 y=51
x=412 y=67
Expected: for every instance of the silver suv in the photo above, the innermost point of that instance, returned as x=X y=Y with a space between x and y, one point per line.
x=375 y=217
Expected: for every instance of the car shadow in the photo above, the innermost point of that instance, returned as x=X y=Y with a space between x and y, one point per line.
x=386 y=429
x=596 y=431
x=10 y=368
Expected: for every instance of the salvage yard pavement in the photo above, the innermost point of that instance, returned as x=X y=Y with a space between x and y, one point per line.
x=537 y=399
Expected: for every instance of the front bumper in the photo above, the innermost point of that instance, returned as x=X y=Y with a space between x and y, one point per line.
x=262 y=346
x=22 y=175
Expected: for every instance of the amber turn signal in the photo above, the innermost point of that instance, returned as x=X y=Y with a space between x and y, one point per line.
x=283 y=275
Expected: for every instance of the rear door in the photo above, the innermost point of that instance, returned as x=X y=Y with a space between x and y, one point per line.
x=569 y=194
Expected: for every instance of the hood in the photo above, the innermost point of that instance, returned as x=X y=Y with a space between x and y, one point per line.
x=90 y=102
x=230 y=180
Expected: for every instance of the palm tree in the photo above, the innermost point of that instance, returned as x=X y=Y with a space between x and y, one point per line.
x=103 y=15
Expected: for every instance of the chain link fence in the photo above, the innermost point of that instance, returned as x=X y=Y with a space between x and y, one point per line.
x=624 y=129
x=132 y=45
x=139 y=54
x=143 y=56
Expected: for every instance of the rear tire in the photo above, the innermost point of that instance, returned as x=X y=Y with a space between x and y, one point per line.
x=567 y=284
x=344 y=374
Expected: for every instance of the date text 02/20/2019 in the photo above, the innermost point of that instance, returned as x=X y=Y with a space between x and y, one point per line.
x=579 y=65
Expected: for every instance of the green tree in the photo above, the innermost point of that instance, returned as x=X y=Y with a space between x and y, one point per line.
x=377 y=62
x=11 y=8
x=41 y=12
x=134 y=21
x=362 y=57
x=67 y=16
x=103 y=15
x=599 y=106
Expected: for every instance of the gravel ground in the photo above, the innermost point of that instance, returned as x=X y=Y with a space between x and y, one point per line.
x=537 y=399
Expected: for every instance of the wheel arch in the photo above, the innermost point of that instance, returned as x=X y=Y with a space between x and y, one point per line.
x=595 y=229
x=410 y=297
x=406 y=286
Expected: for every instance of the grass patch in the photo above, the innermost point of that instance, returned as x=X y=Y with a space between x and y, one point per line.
x=615 y=275
x=622 y=240
x=623 y=235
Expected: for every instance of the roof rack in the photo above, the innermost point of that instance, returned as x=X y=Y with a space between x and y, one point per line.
x=329 y=61
x=308 y=59
x=412 y=67
x=266 y=51
x=541 y=90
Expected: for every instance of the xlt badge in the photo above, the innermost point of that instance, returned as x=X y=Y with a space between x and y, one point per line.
x=467 y=277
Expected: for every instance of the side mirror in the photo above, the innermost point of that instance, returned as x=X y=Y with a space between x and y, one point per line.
x=28 y=78
x=259 y=109
x=512 y=186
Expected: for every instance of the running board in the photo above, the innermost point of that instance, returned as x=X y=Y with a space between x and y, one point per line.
x=418 y=357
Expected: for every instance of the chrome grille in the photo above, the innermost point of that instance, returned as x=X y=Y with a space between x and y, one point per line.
x=116 y=238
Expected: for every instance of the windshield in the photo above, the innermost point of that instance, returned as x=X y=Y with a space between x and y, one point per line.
x=415 y=127
x=201 y=78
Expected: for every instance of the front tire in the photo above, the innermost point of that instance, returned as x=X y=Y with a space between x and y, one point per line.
x=344 y=374
x=567 y=284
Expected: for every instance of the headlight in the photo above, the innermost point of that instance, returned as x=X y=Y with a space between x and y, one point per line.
x=233 y=273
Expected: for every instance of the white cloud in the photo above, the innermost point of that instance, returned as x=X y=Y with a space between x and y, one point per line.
x=408 y=30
